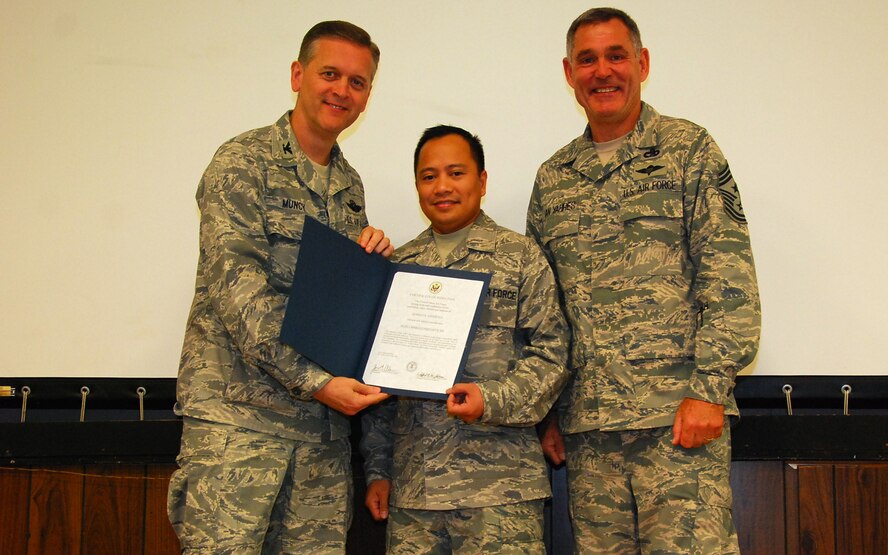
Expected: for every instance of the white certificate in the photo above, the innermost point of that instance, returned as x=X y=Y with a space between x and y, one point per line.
x=424 y=333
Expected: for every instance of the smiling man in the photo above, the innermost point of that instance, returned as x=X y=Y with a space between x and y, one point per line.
x=642 y=221
x=468 y=476
x=264 y=465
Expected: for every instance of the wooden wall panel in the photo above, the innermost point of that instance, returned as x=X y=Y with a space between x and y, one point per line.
x=759 y=506
x=861 y=509
x=55 y=512
x=779 y=508
x=159 y=536
x=791 y=508
x=15 y=485
x=816 y=509
x=114 y=510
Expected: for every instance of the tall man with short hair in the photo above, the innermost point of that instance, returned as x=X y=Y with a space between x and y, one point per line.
x=642 y=222
x=469 y=476
x=264 y=465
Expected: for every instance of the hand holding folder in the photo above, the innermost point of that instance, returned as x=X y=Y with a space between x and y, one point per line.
x=405 y=328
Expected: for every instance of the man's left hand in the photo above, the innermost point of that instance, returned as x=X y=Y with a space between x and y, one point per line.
x=464 y=401
x=697 y=423
x=374 y=240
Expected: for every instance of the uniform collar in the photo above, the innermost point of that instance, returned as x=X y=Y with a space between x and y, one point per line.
x=581 y=155
x=285 y=151
x=481 y=238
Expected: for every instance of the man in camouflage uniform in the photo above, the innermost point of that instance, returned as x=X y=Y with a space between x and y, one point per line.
x=642 y=222
x=264 y=464
x=470 y=477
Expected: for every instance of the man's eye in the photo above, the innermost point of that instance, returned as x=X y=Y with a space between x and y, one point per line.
x=589 y=60
x=617 y=57
x=358 y=84
x=329 y=75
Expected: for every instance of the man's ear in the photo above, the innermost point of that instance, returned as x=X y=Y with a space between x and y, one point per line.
x=296 y=76
x=568 y=72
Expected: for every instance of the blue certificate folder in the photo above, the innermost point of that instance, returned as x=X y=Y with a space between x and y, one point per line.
x=337 y=298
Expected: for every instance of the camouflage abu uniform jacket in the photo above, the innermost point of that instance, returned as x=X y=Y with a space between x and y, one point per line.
x=653 y=260
x=517 y=359
x=253 y=199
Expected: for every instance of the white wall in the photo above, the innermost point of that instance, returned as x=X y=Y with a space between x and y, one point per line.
x=111 y=111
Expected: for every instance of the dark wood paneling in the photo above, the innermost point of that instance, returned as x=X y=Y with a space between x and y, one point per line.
x=791 y=508
x=817 y=530
x=15 y=485
x=159 y=535
x=861 y=509
x=821 y=508
x=758 y=506
x=114 y=510
x=55 y=511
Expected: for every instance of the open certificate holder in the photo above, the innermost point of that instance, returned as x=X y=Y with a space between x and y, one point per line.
x=407 y=329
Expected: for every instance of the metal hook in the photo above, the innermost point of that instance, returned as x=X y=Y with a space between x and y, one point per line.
x=787 y=391
x=84 y=391
x=846 y=391
x=25 y=392
x=140 y=391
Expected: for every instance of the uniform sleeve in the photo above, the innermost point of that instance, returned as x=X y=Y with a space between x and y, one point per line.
x=534 y=230
x=535 y=217
x=236 y=261
x=523 y=395
x=724 y=290
x=377 y=441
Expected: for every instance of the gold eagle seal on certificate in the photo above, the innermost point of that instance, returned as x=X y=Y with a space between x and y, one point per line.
x=435 y=287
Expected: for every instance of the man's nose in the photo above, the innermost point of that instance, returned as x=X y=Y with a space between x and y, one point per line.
x=602 y=68
x=340 y=87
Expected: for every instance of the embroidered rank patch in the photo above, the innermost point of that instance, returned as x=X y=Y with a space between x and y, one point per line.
x=731 y=196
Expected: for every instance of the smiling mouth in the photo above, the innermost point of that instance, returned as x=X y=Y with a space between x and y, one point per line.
x=605 y=90
x=445 y=203
x=336 y=106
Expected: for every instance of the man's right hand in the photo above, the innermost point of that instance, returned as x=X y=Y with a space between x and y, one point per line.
x=377 y=499
x=348 y=395
x=552 y=442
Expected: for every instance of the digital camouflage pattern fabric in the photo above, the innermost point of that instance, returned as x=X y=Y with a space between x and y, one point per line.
x=220 y=500
x=681 y=498
x=246 y=398
x=653 y=260
x=518 y=361
x=514 y=529
x=253 y=199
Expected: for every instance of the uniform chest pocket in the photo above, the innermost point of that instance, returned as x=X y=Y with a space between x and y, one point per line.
x=284 y=218
x=561 y=239
x=494 y=346
x=283 y=229
x=653 y=237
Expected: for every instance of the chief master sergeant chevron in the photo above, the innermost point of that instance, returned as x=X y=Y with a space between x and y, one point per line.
x=641 y=220
x=264 y=465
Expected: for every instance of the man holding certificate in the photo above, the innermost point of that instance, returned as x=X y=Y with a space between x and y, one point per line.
x=468 y=475
x=264 y=465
